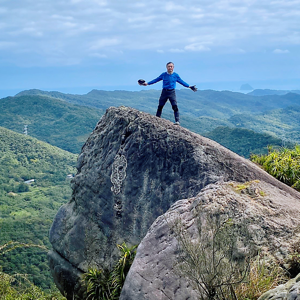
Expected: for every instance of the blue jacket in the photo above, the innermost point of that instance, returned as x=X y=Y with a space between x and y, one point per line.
x=169 y=80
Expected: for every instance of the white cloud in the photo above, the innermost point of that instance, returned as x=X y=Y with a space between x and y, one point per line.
x=280 y=51
x=103 y=43
x=98 y=55
x=196 y=47
x=198 y=16
x=78 y=29
x=176 y=50
x=6 y=45
x=172 y=6
x=239 y=50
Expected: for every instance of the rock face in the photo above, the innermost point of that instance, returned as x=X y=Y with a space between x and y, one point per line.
x=132 y=168
x=272 y=215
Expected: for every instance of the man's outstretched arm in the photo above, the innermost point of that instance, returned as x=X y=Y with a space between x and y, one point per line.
x=143 y=82
x=159 y=78
x=193 y=87
x=179 y=80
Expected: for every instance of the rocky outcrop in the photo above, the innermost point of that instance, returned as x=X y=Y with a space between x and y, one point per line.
x=287 y=291
x=132 y=168
x=272 y=216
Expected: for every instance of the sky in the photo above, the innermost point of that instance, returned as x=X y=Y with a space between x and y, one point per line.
x=75 y=46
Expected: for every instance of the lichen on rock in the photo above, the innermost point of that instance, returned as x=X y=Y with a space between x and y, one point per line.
x=118 y=174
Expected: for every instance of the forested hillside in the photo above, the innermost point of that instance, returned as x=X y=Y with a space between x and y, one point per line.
x=284 y=123
x=54 y=121
x=27 y=209
x=244 y=141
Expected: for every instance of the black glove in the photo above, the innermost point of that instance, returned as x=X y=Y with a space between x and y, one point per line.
x=193 y=88
x=141 y=81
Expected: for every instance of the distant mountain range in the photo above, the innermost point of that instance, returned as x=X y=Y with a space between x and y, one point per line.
x=265 y=92
x=210 y=103
x=65 y=120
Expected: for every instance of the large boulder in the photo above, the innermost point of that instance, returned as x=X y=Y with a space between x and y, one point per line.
x=270 y=215
x=132 y=168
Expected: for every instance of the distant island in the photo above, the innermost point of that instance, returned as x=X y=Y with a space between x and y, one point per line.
x=246 y=87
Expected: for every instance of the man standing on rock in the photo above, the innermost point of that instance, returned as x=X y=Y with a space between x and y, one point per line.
x=169 y=79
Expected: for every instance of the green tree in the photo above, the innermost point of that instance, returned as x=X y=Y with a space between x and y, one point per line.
x=98 y=284
x=105 y=284
x=122 y=267
x=283 y=164
x=18 y=287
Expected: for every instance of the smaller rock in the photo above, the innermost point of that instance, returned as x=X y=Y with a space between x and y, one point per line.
x=288 y=291
x=272 y=215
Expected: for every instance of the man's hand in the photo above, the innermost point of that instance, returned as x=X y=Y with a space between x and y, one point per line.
x=193 y=88
x=142 y=82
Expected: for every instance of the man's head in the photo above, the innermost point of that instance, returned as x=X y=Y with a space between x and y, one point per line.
x=170 y=67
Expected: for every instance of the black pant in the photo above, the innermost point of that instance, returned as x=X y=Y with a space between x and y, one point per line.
x=164 y=97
